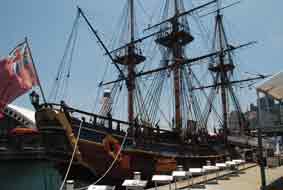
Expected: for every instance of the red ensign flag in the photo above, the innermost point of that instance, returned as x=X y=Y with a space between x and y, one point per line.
x=17 y=75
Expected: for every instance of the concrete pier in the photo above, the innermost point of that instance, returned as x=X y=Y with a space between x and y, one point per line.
x=248 y=178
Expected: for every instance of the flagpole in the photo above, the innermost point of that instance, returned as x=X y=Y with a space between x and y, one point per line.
x=20 y=44
x=39 y=84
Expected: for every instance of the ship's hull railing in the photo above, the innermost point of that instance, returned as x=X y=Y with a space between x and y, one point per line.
x=135 y=130
x=138 y=131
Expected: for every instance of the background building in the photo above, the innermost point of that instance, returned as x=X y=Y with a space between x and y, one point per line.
x=271 y=111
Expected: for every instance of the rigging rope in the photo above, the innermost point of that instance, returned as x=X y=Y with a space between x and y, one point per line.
x=210 y=100
x=193 y=101
x=59 y=85
x=106 y=106
x=73 y=155
x=96 y=100
x=145 y=12
x=116 y=88
x=237 y=105
x=153 y=95
x=111 y=165
x=65 y=93
x=140 y=103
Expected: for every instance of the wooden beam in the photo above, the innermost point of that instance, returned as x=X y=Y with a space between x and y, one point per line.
x=184 y=62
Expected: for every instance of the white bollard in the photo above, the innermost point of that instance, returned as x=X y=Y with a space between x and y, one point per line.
x=137 y=175
x=70 y=185
x=208 y=162
x=180 y=168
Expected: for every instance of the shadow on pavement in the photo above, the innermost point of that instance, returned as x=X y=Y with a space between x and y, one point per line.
x=276 y=185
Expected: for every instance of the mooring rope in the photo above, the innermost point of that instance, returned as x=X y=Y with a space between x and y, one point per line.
x=110 y=167
x=73 y=155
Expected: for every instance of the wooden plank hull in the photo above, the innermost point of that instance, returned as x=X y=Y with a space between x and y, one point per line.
x=146 y=160
x=148 y=153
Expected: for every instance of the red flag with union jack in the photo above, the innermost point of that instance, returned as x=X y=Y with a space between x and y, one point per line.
x=17 y=75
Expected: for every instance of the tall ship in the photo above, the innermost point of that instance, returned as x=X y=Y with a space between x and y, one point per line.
x=172 y=115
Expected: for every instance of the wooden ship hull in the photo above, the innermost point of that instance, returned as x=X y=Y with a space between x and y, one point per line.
x=148 y=162
x=25 y=161
x=149 y=151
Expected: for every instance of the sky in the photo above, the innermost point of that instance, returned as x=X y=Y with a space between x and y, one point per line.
x=47 y=24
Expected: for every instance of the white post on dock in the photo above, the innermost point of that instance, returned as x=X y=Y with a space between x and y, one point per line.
x=180 y=168
x=70 y=185
x=162 y=179
x=136 y=183
x=137 y=175
x=179 y=174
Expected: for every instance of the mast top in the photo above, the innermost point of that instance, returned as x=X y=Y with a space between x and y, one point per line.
x=176 y=7
x=181 y=15
x=219 y=3
x=130 y=54
x=132 y=20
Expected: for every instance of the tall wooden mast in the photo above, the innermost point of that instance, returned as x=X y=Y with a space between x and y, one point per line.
x=176 y=40
x=222 y=68
x=131 y=67
x=130 y=56
x=177 y=56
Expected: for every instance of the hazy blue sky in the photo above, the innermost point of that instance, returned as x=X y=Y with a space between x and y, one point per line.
x=47 y=24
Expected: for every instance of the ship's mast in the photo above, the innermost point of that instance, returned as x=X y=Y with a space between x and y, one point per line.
x=176 y=40
x=222 y=68
x=132 y=20
x=223 y=73
x=131 y=67
x=175 y=37
x=130 y=57
x=177 y=55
